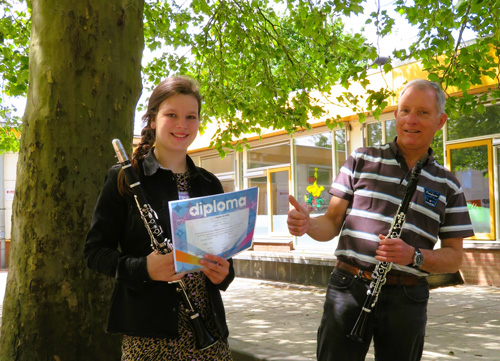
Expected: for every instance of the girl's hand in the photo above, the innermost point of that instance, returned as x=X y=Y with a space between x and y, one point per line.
x=216 y=268
x=161 y=267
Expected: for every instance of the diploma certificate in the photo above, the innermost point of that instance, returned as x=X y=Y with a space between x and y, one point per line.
x=222 y=224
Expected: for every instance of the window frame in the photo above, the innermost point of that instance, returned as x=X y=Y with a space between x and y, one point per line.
x=492 y=236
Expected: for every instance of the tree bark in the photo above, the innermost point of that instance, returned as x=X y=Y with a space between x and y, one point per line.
x=85 y=66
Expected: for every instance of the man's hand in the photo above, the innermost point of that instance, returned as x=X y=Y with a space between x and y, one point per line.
x=298 y=218
x=394 y=250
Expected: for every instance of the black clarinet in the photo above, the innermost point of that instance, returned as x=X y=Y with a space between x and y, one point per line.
x=162 y=245
x=379 y=275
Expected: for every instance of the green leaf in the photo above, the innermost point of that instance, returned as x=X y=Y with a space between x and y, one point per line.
x=258 y=64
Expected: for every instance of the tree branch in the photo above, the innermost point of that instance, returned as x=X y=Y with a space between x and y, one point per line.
x=453 y=60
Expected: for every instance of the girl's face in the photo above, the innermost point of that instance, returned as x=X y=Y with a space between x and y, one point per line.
x=176 y=123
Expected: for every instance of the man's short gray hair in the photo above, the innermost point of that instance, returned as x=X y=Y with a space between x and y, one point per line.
x=423 y=84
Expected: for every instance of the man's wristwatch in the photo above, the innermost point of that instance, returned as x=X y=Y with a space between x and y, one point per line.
x=418 y=258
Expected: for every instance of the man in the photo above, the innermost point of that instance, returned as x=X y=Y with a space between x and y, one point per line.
x=365 y=197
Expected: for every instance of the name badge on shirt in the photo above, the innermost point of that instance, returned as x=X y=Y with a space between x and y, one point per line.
x=431 y=197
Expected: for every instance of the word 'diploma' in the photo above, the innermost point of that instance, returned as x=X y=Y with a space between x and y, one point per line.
x=201 y=209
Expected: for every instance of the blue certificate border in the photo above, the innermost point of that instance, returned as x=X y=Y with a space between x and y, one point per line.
x=186 y=255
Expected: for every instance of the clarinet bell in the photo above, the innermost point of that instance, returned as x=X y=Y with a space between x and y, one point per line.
x=358 y=331
x=355 y=336
x=203 y=338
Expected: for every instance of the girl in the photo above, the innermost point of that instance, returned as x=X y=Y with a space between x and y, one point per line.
x=145 y=308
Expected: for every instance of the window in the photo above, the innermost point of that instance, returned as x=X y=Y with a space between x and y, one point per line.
x=379 y=133
x=273 y=206
x=474 y=125
x=373 y=134
x=385 y=131
x=340 y=138
x=313 y=171
x=497 y=194
x=228 y=185
x=390 y=130
x=268 y=156
x=262 y=226
x=223 y=168
x=279 y=181
x=472 y=164
x=314 y=174
x=437 y=147
x=216 y=164
x=268 y=168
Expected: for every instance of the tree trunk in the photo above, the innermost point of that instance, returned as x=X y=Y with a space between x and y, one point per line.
x=85 y=64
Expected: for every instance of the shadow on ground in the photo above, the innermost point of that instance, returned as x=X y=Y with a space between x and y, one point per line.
x=279 y=321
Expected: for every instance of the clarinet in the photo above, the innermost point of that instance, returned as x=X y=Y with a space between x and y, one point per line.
x=161 y=245
x=379 y=275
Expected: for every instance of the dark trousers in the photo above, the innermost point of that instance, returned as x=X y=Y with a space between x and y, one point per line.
x=397 y=324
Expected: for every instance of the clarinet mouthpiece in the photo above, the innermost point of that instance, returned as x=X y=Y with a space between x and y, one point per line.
x=119 y=150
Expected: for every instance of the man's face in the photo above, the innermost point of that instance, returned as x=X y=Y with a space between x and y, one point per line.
x=417 y=119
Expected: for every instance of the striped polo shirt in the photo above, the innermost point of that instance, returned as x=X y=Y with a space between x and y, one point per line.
x=373 y=180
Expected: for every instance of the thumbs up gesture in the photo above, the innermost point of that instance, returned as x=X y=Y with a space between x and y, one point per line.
x=298 y=218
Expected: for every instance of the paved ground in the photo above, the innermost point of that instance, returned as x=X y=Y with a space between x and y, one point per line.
x=278 y=321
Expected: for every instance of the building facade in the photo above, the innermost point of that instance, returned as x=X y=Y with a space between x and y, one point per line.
x=305 y=164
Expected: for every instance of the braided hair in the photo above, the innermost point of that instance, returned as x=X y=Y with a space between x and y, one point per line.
x=166 y=89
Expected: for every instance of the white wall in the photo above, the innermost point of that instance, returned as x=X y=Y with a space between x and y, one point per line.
x=9 y=184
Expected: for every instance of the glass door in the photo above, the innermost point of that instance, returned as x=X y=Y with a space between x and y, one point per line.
x=497 y=192
x=262 y=222
x=279 y=181
x=472 y=164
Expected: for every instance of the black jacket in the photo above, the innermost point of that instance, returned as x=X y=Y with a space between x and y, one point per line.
x=117 y=245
